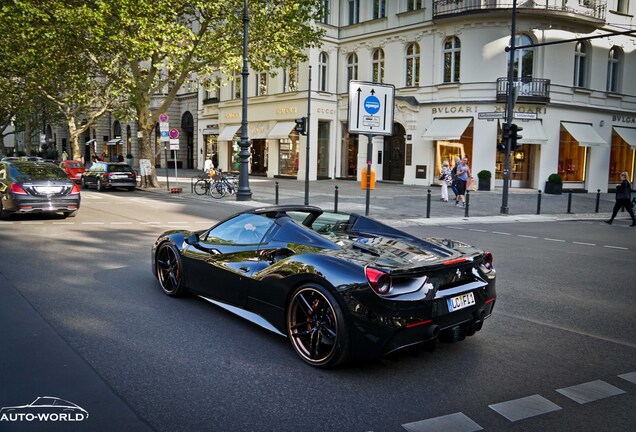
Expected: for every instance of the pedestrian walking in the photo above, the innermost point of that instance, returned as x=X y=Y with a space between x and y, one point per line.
x=446 y=180
x=207 y=165
x=458 y=160
x=623 y=199
x=463 y=172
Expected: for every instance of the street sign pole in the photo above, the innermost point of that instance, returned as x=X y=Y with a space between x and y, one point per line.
x=307 y=123
x=369 y=160
x=510 y=105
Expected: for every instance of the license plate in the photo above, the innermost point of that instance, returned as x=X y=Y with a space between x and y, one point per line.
x=460 y=301
x=48 y=190
x=119 y=176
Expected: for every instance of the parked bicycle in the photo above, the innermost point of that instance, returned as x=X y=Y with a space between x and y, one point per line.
x=217 y=184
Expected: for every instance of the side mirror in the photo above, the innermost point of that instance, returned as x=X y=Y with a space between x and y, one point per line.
x=192 y=240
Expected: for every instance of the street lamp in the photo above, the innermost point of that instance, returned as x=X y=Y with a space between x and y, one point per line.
x=244 y=193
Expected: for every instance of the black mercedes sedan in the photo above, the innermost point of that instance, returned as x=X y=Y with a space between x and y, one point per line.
x=339 y=286
x=36 y=187
x=108 y=175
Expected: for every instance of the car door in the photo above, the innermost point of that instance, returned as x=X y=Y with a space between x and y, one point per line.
x=221 y=262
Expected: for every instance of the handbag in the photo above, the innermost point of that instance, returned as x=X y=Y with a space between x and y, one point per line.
x=472 y=184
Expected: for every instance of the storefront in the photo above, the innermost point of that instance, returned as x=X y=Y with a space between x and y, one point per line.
x=453 y=139
x=575 y=142
x=622 y=154
x=522 y=159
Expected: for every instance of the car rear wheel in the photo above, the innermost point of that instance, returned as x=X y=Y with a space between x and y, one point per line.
x=316 y=327
x=3 y=214
x=83 y=183
x=170 y=270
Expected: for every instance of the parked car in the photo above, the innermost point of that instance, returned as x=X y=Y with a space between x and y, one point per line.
x=339 y=286
x=102 y=175
x=31 y=187
x=73 y=169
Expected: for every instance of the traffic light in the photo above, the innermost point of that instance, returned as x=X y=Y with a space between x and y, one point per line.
x=514 y=136
x=301 y=125
x=505 y=136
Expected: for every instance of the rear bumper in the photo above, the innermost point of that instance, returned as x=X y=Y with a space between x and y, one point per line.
x=31 y=205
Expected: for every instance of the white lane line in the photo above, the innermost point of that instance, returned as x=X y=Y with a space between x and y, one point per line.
x=121 y=223
x=584 y=244
x=501 y=233
x=149 y=223
x=527 y=236
x=457 y=422
x=615 y=247
x=31 y=223
x=477 y=230
x=524 y=408
x=590 y=392
x=554 y=240
x=63 y=223
x=92 y=223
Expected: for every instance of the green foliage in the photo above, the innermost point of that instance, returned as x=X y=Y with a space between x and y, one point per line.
x=555 y=178
x=484 y=174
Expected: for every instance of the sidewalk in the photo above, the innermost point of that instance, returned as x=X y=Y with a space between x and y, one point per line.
x=407 y=203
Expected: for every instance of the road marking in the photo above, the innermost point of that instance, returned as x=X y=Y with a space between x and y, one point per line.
x=524 y=408
x=615 y=247
x=121 y=223
x=457 y=422
x=554 y=240
x=590 y=392
x=63 y=223
x=477 y=230
x=583 y=243
x=92 y=223
x=527 y=236
x=631 y=377
x=32 y=223
x=501 y=233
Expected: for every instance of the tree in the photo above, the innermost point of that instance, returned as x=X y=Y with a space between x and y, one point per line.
x=47 y=47
x=163 y=43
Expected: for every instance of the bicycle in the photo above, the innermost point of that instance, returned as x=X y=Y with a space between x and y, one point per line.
x=217 y=185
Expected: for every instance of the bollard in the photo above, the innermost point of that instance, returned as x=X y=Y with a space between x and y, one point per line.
x=335 y=199
x=539 y=202
x=428 y=204
x=467 y=203
x=569 y=201
x=276 y=192
x=598 y=199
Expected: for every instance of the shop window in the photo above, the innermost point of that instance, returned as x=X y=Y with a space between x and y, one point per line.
x=323 y=149
x=349 y=155
x=288 y=155
x=572 y=159
x=450 y=150
x=621 y=159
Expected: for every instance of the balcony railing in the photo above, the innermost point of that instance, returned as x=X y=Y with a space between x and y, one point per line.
x=529 y=90
x=595 y=9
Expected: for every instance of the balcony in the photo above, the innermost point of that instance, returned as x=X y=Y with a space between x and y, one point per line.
x=529 y=90
x=588 y=13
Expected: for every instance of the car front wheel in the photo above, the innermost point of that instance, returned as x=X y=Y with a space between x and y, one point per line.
x=316 y=327
x=170 y=270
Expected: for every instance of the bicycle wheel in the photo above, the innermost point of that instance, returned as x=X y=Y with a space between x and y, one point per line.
x=201 y=187
x=218 y=189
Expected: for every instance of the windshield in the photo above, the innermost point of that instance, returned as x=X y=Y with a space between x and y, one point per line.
x=37 y=172
x=119 y=168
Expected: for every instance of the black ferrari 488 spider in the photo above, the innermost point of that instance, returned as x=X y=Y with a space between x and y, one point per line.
x=339 y=286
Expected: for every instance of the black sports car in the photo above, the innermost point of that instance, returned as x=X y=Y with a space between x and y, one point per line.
x=340 y=286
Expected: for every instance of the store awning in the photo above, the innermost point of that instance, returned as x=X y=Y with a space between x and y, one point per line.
x=281 y=130
x=210 y=131
x=584 y=134
x=228 y=132
x=628 y=135
x=114 y=141
x=447 y=129
x=532 y=132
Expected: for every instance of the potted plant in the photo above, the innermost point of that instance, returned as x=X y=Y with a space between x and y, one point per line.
x=484 y=177
x=129 y=159
x=554 y=185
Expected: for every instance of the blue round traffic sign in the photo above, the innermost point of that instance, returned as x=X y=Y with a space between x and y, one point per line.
x=372 y=105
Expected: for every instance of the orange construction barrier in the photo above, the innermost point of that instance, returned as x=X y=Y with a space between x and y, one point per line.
x=363 y=179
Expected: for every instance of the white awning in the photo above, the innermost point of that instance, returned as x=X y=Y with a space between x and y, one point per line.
x=89 y=142
x=228 y=132
x=114 y=141
x=628 y=135
x=281 y=130
x=585 y=134
x=210 y=131
x=532 y=132
x=447 y=128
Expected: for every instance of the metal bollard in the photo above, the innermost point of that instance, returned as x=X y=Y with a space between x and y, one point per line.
x=467 y=204
x=335 y=199
x=276 y=192
x=539 y=202
x=598 y=199
x=569 y=201
x=428 y=204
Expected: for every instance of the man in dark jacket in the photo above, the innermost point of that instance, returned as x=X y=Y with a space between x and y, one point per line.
x=623 y=199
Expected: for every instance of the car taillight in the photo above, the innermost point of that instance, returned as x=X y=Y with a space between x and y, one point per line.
x=487 y=261
x=106 y=174
x=17 y=189
x=75 y=190
x=379 y=281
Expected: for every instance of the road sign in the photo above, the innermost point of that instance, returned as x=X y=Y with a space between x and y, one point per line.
x=371 y=108
x=174 y=133
x=174 y=144
x=163 y=118
x=164 y=126
x=490 y=115
x=164 y=136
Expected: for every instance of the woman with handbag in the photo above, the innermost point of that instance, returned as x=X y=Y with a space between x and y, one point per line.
x=446 y=179
x=623 y=199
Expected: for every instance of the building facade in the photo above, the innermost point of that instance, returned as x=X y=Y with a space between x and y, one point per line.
x=573 y=77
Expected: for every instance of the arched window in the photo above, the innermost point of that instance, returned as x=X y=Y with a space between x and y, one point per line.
x=580 y=64
x=524 y=59
x=378 y=65
x=352 y=67
x=452 y=55
x=412 y=77
x=323 y=60
x=614 y=61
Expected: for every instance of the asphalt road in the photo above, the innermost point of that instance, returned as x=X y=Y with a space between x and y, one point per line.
x=85 y=320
